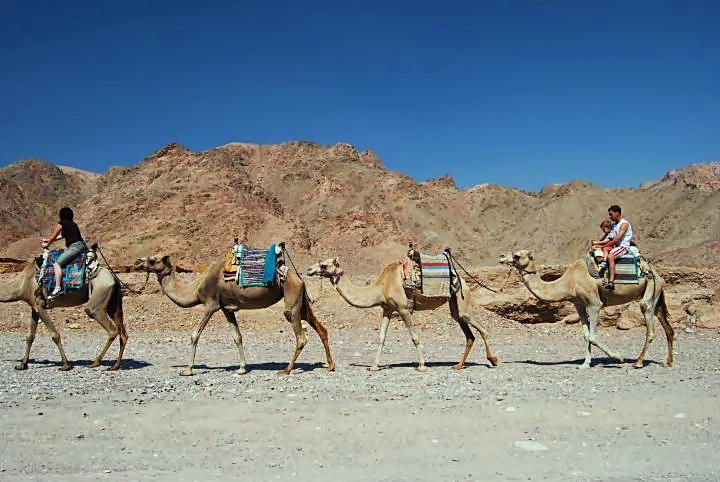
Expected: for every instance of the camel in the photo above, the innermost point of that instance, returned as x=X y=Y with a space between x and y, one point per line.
x=589 y=295
x=388 y=292
x=215 y=294
x=103 y=303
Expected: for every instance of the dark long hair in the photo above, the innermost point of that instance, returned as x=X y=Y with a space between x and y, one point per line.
x=66 y=214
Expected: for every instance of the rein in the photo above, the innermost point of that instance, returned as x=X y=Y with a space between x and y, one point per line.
x=455 y=261
x=121 y=281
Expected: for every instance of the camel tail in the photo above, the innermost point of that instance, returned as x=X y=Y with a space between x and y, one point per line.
x=662 y=306
x=307 y=312
x=115 y=308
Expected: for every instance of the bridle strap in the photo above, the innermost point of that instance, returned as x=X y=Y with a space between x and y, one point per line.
x=163 y=275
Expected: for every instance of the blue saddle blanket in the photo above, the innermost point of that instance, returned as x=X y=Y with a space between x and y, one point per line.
x=73 y=274
x=257 y=266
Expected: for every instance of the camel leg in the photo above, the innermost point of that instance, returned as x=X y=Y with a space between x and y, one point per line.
x=300 y=339
x=593 y=312
x=195 y=337
x=387 y=313
x=494 y=361
x=582 y=313
x=661 y=312
x=29 y=338
x=469 y=340
x=112 y=332
x=120 y=323
x=647 y=311
x=469 y=337
x=45 y=317
x=323 y=334
x=237 y=337
x=405 y=315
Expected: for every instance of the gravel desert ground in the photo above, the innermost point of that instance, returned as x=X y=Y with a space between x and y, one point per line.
x=535 y=417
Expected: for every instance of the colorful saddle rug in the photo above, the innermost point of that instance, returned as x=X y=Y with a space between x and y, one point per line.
x=436 y=275
x=74 y=275
x=627 y=270
x=256 y=267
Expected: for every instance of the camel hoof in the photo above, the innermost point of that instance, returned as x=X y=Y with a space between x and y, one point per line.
x=65 y=368
x=240 y=371
x=373 y=368
x=330 y=368
x=584 y=366
x=494 y=361
x=94 y=364
x=458 y=366
x=285 y=372
x=421 y=368
x=21 y=366
x=114 y=368
x=667 y=364
x=638 y=364
x=186 y=372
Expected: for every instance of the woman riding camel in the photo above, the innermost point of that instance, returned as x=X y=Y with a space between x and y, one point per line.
x=75 y=246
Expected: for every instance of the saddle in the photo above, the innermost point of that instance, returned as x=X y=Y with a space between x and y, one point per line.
x=433 y=276
x=75 y=275
x=248 y=266
x=629 y=268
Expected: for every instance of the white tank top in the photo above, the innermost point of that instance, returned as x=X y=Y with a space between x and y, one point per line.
x=625 y=241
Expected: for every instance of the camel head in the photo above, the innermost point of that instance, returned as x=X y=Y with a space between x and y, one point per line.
x=522 y=260
x=153 y=264
x=329 y=268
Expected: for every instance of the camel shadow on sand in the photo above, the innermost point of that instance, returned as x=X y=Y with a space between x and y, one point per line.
x=604 y=362
x=250 y=367
x=127 y=363
x=429 y=365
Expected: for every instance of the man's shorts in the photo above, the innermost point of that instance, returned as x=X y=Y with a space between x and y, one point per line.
x=617 y=251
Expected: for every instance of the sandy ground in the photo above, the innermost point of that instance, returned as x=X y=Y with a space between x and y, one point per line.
x=535 y=417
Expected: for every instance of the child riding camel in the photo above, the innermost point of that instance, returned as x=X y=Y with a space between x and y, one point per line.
x=607 y=228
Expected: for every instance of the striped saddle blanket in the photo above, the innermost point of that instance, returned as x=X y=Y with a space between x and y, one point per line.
x=257 y=266
x=436 y=274
x=627 y=270
x=74 y=275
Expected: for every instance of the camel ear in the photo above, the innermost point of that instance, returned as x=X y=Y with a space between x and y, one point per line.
x=336 y=263
x=166 y=259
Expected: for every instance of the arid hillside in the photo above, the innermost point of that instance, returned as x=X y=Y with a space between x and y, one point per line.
x=335 y=201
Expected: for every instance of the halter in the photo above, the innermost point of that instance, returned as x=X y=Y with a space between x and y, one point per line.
x=336 y=279
x=163 y=275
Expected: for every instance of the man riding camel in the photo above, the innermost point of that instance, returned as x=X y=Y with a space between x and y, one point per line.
x=620 y=241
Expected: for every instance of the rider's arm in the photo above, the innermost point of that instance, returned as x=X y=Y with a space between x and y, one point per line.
x=54 y=236
x=622 y=229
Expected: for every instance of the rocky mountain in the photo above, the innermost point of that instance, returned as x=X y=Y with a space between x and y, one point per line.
x=335 y=201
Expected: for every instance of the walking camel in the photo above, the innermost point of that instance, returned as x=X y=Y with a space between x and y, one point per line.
x=215 y=294
x=589 y=296
x=388 y=292
x=103 y=303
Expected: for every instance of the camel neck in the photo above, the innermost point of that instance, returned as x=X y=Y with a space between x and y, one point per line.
x=183 y=296
x=358 y=296
x=550 y=291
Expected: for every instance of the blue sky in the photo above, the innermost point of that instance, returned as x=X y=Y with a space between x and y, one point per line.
x=518 y=93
